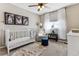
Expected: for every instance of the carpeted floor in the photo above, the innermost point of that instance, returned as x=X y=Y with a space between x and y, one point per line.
x=34 y=49
x=53 y=49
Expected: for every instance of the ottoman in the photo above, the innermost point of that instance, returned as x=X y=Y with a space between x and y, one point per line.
x=44 y=41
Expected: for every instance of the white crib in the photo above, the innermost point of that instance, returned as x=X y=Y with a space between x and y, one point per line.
x=16 y=38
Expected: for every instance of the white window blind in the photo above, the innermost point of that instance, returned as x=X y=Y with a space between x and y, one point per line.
x=53 y=16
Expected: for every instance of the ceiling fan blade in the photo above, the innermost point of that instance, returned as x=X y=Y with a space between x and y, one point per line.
x=44 y=3
x=32 y=5
x=46 y=7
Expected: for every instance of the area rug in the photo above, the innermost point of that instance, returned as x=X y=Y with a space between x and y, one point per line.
x=34 y=49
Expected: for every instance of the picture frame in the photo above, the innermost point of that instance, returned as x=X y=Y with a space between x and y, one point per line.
x=18 y=19
x=25 y=20
x=9 y=18
x=14 y=19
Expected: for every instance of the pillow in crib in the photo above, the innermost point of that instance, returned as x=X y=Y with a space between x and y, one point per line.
x=11 y=36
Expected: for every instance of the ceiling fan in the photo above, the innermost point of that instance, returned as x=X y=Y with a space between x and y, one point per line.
x=40 y=6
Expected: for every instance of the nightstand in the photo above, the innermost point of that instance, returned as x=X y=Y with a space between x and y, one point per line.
x=53 y=36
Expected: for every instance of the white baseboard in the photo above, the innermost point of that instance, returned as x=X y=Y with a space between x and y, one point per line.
x=2 y=47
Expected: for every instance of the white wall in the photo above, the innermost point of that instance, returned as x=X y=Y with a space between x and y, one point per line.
x=47 y=23
x=5 y=7
x=60 y=24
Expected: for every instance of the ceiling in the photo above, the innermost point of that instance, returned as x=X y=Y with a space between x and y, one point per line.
x=50 y=7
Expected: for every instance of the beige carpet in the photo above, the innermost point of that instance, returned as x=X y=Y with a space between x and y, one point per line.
x=3 y=51
x=33 y=50
x=53 y=49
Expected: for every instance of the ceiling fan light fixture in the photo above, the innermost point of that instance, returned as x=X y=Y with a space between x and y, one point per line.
x=40 y=8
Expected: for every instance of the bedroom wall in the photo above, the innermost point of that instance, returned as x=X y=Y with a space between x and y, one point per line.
x=71 y=20
x=72 y=14
x=60 y=24
x=68 y=20
x=5 y=7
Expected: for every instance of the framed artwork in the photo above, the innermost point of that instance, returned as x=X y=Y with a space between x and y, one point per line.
x=25 y=20
x=18 y=19
x=9 y=18
x=14 y=19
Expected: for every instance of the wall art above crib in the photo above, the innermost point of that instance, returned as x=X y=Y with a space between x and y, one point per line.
x=14 y=19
